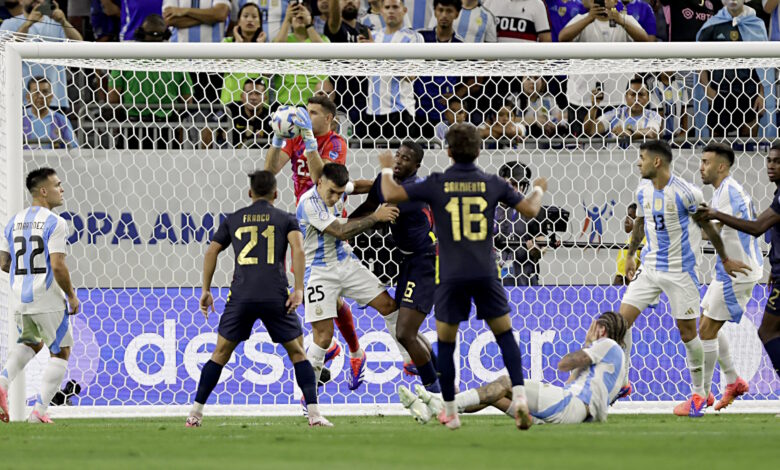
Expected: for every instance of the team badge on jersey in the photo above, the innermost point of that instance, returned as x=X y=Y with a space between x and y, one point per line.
x=734 y=35
x=659 y=204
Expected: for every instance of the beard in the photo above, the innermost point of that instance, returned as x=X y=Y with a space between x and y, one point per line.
x=349 y=12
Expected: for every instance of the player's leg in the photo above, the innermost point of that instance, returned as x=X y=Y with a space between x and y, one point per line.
x=497 y=393
x=641 y=292
x=209 y=377
x=20 y=355
x=305 y=378
x=346 y=325
x=408 y=328
x=322 y=293
x=55 y=331
x=769 y=333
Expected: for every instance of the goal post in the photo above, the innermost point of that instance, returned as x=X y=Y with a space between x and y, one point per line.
x=140 y=218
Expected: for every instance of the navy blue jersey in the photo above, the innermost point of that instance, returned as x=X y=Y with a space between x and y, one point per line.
x=258 y=234
x=412 y=229
x=463 y=200
x=774 y=238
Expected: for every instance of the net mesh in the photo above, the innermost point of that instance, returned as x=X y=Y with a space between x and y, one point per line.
x=153 y=153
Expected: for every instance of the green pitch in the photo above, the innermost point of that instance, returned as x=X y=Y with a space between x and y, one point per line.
x=484 y=442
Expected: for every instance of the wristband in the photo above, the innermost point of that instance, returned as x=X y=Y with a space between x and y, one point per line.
x=387 y=171
x=310 y=144
x=539 y=190
x=277 y=142
x=349 y=188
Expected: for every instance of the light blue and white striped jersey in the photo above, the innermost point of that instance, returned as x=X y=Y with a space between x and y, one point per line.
x=419 y=12
x=774 y=23
x=673 y=100
x=673 y=238
x=392 y=94
x=622 y=117
x=730 y=198
x=376 y=23
x=598 y=384
x=314 y=217
x=475 y=25
x=30 y=237
x=201 y=33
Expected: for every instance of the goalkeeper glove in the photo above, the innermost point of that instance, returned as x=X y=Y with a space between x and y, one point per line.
x=303 y=122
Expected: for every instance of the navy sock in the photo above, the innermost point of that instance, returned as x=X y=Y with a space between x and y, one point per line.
x=447 y=370
x=427 y=373
x=512 y=359
x=304 y=375
x=773 y=350
x=209 y=377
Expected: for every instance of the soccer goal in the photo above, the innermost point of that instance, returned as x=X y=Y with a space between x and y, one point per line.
x=153 y=143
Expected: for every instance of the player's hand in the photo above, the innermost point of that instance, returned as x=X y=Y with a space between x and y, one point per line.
x=206 y=302
x=73 y=305
x=35 y=15
x=704 y=213
x=630 y=268
x=386 y=213
x=170 y=13
x=294 y=300
x=302 y=120
x=386 y=159
x=734 y=267
x=616 y=16
x=590 y=336
x=542 y=183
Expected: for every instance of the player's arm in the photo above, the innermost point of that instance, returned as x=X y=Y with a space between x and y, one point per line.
x=391 y=191
x=177 y=17
x=757 y=227
x=5 y=261
x=216 y=14
x=575 y=360
x=637 y=234
x=61 y=274
x=303 y=122
x=345 y=231
x=209 y=266
x=276 y=159
x=530 y=206
x=362 y=186
x=295 y=239
x=732 y=267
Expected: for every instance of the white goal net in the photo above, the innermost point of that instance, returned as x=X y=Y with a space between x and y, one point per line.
x=153 y=144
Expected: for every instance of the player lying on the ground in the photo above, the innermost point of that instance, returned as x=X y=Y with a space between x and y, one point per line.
x=259 y=234
x=596 y=370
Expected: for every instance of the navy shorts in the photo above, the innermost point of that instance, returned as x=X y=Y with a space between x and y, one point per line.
x=238 y=320
x=416 y=282
x=773 y=303
x=453 y=300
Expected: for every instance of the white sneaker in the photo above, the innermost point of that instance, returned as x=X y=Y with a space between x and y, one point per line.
x=415 y=405
x=37 y=418
x=319 y=421
x=519 y=407
x=434 y=402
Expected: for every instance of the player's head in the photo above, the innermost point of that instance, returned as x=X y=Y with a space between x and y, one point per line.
x=408 y=158
x=534 y=84
x=611 y=325
x=393 y=12
x=654 y=155
x=637 y=95
x=455 y=111
x=464 y=142
x=350 y=9
x=628 y=222
x=322 y=111
x=262 y=185
x=253 y=91
x=516 y=174
x=250 y=20
x=332 y=183
x=45 y=187
x=773 y=163
x=39 y=93
x=446 y=12
x=716 y=160
x=152 y=29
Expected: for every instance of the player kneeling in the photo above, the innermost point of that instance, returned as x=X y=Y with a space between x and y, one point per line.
x=595 y=382
x=259 y=234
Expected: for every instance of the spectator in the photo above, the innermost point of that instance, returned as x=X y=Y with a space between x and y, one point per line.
x=520 y=20
x=433 y=92
x=271 y=17
x=345 y=27
x=248 y=28
x=150 y=95
x=249 y=121
x=633 y=120
x=541 y=115
x=771 y=8
x=10 y=9
x=297 y=89
x=642 y=12
x=455 y=113
x=686 y=17
x=561 y=12
x=78 y=13
x=736 y=95
x=661 y=24
x=505 y=130
x=133 y=13
x=602 y=23
x=391 y=106
x=476 y=23
x=32 y=21
x=105 y=16
x=670 y=97
x=628 y=225
x=374 y=20
x=44 y=127
x=419 y=13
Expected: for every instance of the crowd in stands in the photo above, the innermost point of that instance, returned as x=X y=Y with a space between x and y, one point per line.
x=232 y=109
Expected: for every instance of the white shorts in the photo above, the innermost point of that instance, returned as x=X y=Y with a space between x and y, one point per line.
x=553 y=405
x=53 y=329
x=680 y=288
x=726 y=301
x=326 y=284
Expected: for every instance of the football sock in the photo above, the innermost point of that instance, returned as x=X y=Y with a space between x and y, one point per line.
x=50 y=382
x=518 y=391
x=695 y=357
x=773 y=350
x=197 y=409
x=446 y=367
x=466 y=399
x=19 y=357
x=450 y=408
x=347 y=328
x=390 y=321
x=627 y=342
x=724 y=359
x=710 y=348
x=317 y=358
x=209 y=376
x=511 y=354
x=427 y=373
x=304 y=376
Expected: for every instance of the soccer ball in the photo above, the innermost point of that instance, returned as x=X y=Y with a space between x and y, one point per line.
x=282 y=122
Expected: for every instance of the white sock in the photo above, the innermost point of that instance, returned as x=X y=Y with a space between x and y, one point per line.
x=627 y=343
x=197 y=409
x=465 y=399
x=710 y=349
x=390 y=322
x=695 y=357
x=50 y=382
x=316 y=356
x=518 y=391
x=724 y=359
x=357 y=354
x=313 y=410
x=450 y=408
x=19 y=357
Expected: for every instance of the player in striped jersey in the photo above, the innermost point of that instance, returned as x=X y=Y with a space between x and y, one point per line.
x=196 y=21
x=374 y=20
x=32 y=252
x=725 y=299
x=670 y=258
x=475 y=23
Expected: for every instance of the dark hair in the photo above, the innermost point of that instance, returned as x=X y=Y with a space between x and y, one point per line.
x=775 y=146
x=723 y=150
x=238 y=17
x=141 y=34
x=37 y=80
x=336 y=172
x=632 y=206
x=262 y=182
x=636 y=79
x=325 y=102
x=515 y=170
x=457 y=4
x=464 y=142
x=615 y=324
x=658 y=147
x=416 y=149
x=254 y=81
x=36 y=177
